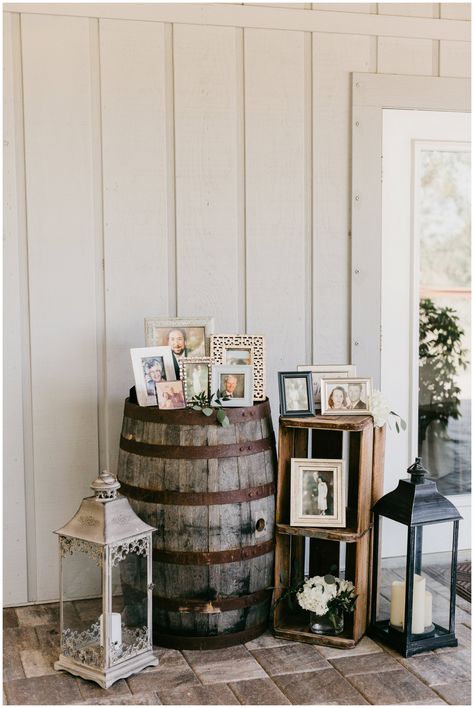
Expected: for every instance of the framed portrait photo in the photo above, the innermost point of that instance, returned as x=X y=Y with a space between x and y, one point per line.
x=235 y=382
x=346 y=396
x=151 y=366
x=317 y=493
x=185 y=337
x=325 y=371
x=170 y=395
x=296 y=393
x=196 y=374
x=242 y=350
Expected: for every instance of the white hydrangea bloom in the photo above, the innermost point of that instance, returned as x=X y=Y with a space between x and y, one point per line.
x=315 y=595
x=380 y=409
x=345 y=586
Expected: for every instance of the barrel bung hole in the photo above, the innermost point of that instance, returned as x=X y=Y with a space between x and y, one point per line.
x=260 y=525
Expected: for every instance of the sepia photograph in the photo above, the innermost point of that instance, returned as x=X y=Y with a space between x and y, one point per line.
x=317 y=493
x=238 y=356
x=326 y=371
x=346 y=397
x=185 y=337
x=151 y=366
x=296 y=393
x=170 y=395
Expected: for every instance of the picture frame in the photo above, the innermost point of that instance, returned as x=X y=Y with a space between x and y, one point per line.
x=346 y=396
x=317 y=494
x=222 y=345
x=321 y=371
x=296 y=393
x=196 y=375
x=170 y=395
x=239 y=377
x=151 y=365
x=187 y=337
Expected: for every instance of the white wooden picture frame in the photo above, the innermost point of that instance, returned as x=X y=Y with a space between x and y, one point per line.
x=317 y=496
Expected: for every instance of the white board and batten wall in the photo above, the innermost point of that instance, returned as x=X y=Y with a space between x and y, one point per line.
x=173 y=160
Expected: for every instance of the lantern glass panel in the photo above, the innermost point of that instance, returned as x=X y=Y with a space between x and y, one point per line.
x=80 y=627
x=129 y=631
x=392 y=570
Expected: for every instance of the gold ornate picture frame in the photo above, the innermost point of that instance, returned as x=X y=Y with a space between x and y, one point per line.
x=252 y=347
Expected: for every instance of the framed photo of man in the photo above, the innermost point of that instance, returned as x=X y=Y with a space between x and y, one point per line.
x=326 y=371
x=234 y=383
x=196 y=373
x=186 y=337
x=296 y=393
x=151 y=366
x=242 y=350
x=317 y=493
x=346 y=396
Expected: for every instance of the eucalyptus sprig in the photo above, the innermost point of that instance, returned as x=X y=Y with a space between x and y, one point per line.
x=209 y=404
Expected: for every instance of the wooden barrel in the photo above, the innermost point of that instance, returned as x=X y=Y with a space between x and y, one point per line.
x=209 y=491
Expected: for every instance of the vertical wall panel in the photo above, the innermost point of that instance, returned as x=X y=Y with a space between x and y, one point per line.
x=397 y=55
x=455 y=10
x=335 y=57
x=15 y=317
x=62 y=274
x=207 y=71
x=138 y=196
x=277 y=146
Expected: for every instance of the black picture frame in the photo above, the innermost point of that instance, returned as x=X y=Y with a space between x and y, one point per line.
x=287 y=407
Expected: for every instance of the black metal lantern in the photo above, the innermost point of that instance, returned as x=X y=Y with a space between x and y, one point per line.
x=416 y=504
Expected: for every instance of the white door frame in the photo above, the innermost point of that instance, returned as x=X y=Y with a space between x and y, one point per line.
x=371 y=93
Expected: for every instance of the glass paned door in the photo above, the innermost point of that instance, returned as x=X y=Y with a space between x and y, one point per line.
x=442 y=231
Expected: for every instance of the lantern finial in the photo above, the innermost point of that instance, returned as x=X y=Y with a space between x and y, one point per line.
x=105 y=486
x=417 y=472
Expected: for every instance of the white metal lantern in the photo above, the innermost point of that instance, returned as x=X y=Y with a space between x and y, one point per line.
x=103 y=543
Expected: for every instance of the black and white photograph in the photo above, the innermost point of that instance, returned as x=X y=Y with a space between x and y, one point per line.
x=317 y=492
x=196 y=376
x=326 y=371
x=234 y=383
x=296 y=393
x=346 y=397
x=151 y=366
x=238 y=356
x=185 y=337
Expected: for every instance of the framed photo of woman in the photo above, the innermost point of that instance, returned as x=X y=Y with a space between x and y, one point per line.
x=317 y=493
x=151 y=366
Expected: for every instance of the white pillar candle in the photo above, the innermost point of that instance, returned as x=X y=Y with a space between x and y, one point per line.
x=115 y=628
x=418 y=616
x=428 y=609
x=397 y=604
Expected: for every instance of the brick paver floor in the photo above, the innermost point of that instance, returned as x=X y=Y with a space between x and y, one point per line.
x=265 y=671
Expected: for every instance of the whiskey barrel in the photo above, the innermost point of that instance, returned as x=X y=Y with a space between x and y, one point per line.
x=209 y=491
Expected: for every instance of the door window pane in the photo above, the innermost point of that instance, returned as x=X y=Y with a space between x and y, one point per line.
x=444 y=412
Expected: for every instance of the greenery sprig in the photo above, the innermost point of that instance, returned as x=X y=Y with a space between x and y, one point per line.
x=209 y=404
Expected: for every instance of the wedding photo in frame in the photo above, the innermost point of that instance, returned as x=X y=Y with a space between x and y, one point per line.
x=187 y=337
x=296 y=393
x=234 y=382
x=317 y=493
x=325 y=371
x=196 y=375
x=151 y=366
x=346 y=396
x=242 y=349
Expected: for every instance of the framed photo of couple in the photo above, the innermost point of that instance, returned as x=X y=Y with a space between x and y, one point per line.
x=346 y=396
x=317 y=493
x=326 y=371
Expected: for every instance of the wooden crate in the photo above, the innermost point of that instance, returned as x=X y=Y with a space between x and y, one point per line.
x=365 y=482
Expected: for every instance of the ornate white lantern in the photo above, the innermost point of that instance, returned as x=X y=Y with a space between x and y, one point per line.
x=104 y=543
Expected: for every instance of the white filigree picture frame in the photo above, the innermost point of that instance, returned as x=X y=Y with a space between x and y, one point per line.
x=242 y=349
x=196 y=375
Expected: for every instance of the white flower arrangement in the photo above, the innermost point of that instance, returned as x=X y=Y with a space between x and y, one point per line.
x=326 y=595
x=381 y=412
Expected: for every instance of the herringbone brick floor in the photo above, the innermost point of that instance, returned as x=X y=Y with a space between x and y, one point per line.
x=265 y=671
